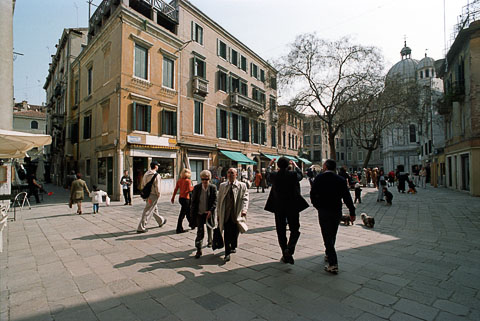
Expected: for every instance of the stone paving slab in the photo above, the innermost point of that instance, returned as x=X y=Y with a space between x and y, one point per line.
x=420 y=262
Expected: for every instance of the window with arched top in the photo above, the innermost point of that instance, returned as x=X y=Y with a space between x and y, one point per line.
x=34 y=124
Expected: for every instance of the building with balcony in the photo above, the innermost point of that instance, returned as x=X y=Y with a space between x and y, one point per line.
x=291 y=135
x=57 y=87
x=461 y=106
x=228 y=114
x=315 y=141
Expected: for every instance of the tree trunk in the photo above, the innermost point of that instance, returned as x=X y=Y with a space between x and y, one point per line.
x=367 y=158
x=331 y=144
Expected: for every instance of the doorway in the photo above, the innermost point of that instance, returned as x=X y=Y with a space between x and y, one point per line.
x=140 y=166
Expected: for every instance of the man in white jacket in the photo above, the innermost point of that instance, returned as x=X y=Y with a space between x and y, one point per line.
x=232 y=203
x=152 y=200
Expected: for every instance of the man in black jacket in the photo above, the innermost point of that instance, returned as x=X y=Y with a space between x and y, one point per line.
x=202 y=208
x=286 y=201
x=327 y=192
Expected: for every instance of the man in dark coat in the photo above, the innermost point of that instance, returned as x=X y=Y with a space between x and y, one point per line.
x=326 y=195
x=286 y=201
x=202 y=208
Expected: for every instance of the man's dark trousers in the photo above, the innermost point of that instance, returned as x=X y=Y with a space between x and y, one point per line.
x=231 y=236
x=329 y=225
x=281 y=227
x=126 y=196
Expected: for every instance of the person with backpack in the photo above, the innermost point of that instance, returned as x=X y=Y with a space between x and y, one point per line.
x=151 y=193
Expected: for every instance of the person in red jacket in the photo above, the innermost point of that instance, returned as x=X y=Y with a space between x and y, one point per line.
x=184 y=184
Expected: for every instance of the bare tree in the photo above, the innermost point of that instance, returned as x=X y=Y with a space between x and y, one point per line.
x=395 y=104
x=328 y=76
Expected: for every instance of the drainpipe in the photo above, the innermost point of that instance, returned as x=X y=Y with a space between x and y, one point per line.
x=118 y=145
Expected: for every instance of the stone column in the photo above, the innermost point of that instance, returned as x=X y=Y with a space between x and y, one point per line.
x=6 y=61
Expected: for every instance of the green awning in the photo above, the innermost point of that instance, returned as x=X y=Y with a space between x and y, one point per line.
x=270 y=156
x=305 y=161
x=238 y=157
x=291 y=158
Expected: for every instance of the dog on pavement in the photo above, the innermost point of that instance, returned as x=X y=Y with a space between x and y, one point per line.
x=368 y=220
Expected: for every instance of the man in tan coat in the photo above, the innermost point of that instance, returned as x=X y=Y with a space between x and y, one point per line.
x=232 y=203
x=152 y=200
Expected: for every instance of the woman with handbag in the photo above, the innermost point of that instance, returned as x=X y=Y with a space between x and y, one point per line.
x=381 y=183
x=184 y=184
x=286 y=202
x=202 y=208
x=76 y=192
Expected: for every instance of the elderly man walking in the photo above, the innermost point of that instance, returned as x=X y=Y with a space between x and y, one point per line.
x=232 y=203
x=152 y=200
x=327 y=192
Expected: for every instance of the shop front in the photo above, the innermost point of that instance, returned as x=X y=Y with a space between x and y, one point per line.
x=228 y=159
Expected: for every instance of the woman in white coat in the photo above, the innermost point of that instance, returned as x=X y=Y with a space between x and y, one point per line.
x=232 y=204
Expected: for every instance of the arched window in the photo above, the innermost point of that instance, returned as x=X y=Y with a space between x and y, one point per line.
x=34 y=124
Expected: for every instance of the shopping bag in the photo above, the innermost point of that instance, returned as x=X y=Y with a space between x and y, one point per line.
x=242 y=224
x=107 y=200
x=217 y=242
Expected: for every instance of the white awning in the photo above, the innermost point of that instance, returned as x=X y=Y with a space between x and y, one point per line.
x=15 y=144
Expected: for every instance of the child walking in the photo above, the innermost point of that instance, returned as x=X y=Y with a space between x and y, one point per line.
x=358 y=194
x=388 y=196
x=96 y=196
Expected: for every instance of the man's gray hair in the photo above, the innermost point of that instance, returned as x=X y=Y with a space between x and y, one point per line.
x=206 y=173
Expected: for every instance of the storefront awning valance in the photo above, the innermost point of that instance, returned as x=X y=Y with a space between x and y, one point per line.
x=238 y=157
x=15 y=144
x=270 y=156
x=291 y=158
x=305 y=161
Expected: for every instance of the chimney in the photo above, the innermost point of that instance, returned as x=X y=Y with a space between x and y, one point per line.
x=24 y=105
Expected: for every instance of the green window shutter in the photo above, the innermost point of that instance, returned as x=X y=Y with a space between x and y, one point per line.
x=218 y=47
x=193 y=31
x=252 y=130
x=148 y=118
x=240 y=129
x=219 y=124
x=174 y=123
x=134 y=116
x=163 y=122
x=204 y=70
x=230 y=123
x=251 y=70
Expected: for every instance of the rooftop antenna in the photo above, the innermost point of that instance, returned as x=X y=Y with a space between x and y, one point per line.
x=445 y=37
x=76 y=9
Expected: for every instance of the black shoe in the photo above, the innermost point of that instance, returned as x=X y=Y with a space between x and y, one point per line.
x=125 y=204
x=226 y=258
x=198 y=254
x=144 y=231
x=129 y=203
x=331 y=269
x=288 y=257
x=283 y=260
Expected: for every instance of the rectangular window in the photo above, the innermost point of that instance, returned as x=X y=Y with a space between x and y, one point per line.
x=221 y=123
x=338 y=156
x=141 y=117
x=253 y=70
x=349 y=156
x=317 y=139
x=199 y=67
x=197 y=33
x=168 y=70
x=222 y=81
x=244 y=130
x=243 y=63
x=89 y=80
x=262 y=75
x=169 y=122
x=306 y=140
x=235 y=84
x=263 y=133
x=234 y=57
x=234 y=127
x=141 y=62
x=258 y=95
x=342 y=156
x=360 y=156
x=274 y=136
x=273 y=83
x=198 y=118
x=87 y=127
x=76 y=92
x=254 y=131
x=244 y=88
x=413 y=134
x=222 y=49
x=317 y=155
x=273 y=104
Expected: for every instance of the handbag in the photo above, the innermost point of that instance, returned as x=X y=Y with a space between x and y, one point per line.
x=217 y=242
x=242 y=224
x=70 y=203
x=107 y=200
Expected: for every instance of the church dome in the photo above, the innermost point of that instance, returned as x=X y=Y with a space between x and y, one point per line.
x=405 y=68
x=426 y=62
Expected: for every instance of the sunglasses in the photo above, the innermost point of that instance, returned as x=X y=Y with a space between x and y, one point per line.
x=205 y=179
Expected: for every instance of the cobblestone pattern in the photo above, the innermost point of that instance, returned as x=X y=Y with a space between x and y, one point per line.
x=419 y=262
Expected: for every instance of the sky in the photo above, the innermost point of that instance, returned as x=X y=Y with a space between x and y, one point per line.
x=265 y=26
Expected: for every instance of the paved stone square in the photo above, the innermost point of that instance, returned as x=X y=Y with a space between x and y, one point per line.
x=420 y=262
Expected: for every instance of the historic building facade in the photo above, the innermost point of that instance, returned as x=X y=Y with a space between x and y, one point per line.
x=461 y=108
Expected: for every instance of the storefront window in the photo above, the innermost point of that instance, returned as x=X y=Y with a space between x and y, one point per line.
x=165 y=167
